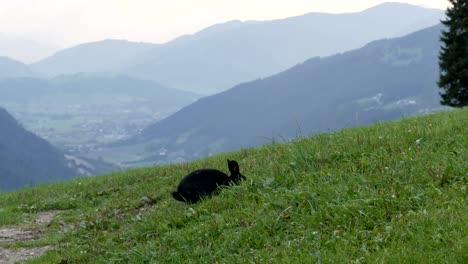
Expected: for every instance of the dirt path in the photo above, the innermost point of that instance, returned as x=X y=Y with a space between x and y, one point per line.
x=13 y=234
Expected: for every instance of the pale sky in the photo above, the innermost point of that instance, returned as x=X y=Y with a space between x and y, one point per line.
x=65 y=23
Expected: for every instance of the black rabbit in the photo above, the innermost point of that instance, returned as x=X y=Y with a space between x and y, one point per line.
x=204 y=182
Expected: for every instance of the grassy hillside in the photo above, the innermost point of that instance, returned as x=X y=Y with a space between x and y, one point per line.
x=392 y=193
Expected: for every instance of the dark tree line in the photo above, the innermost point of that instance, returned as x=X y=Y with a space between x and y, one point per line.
x=453 y=59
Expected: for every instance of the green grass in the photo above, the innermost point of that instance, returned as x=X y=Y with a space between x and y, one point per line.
x=388 y=193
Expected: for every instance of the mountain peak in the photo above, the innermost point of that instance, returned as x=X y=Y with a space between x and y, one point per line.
x=396 y=7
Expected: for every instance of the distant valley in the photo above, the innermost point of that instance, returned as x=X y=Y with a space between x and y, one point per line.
x=82 y=111
x=26 y=159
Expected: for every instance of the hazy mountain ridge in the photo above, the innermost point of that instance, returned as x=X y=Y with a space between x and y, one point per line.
x=102 y=56
x=384 y=80
x=23 y=50
x=10 y=68
x=226 y=54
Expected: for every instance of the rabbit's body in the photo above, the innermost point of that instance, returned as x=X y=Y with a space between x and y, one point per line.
x=200 y=183
x=204 y=182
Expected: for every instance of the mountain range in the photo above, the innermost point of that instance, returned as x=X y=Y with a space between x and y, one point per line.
x=224 y=55
x=385 y=80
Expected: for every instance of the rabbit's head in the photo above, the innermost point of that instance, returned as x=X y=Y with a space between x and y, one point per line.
x=235 y=173
x=233 y=167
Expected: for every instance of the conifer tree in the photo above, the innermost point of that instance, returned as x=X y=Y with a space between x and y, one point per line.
x=453 y=58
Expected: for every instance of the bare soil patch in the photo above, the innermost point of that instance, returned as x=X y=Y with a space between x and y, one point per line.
x=46 y=217
x=14 y=234
x=11 y=256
